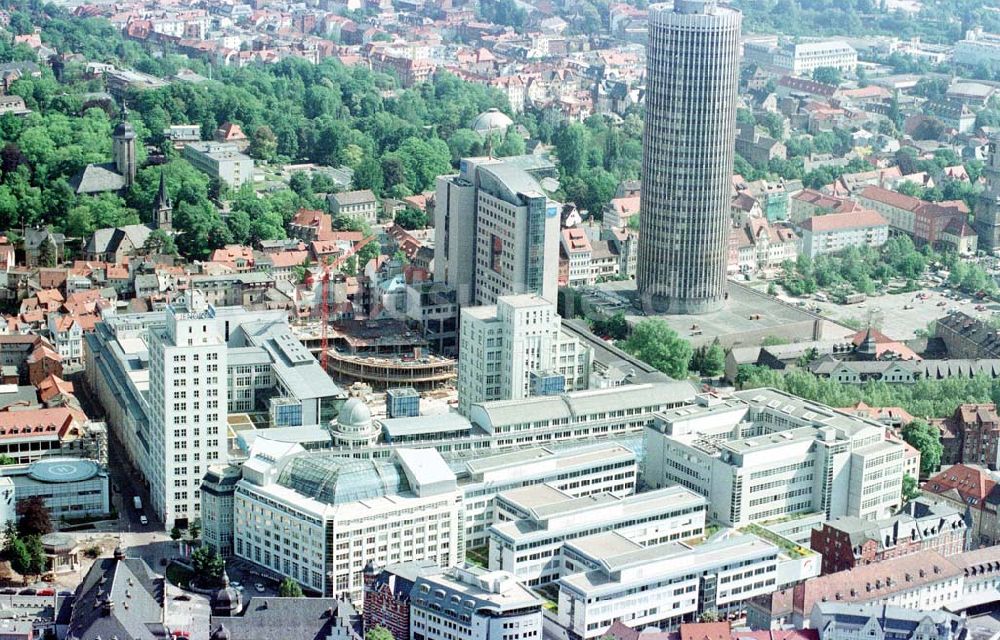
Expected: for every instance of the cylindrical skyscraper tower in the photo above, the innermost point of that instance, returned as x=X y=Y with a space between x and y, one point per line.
x=692 y=83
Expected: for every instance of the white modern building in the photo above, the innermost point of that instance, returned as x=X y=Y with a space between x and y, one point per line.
x=978 y=47
x=319 y=518
x=517 y=349
x=221 y=160
x=533 y=524
x=496 y=233
x=609 y=576
x=764 y=454
x=578 y=471
x=187 y=408
x=801 y=58
x=171 y=415
x=473 y=604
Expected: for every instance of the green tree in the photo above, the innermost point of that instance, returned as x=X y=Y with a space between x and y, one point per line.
x=159 y=242
x=289 y=589
x=910 y=489
x=710 y=615
x=828 y=75
x=714 y=362
x=369 y=175
x=19 y=556
x=411 y=218
x=615 y=327
x=33 y=517
x=572 y=142
x=926 y=439
x=47 y=253
x=263 y=143
x=378 y=633
x=194 y=529
x=208 y=566
x=176 y=534
x=6 y=460
x=654 y=342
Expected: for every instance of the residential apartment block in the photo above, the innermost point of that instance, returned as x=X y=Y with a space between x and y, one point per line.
x=802 y=58
x=920 y=525
x=839 y=621
x=923 y=221
x=925 y=580
x=837 y=231
x=186 y=409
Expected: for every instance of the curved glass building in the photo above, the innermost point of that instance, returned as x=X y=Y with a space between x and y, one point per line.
x=692 y=76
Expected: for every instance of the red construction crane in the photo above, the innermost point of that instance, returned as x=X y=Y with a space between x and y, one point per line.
x=325 y=293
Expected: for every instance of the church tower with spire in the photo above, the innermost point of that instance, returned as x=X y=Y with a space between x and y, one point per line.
x=123 y=147
x=163 y=209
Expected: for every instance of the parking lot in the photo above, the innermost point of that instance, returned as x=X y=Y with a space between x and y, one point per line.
x=901 y=315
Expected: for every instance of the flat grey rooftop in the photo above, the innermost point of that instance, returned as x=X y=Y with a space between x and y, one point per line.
x=747 y=318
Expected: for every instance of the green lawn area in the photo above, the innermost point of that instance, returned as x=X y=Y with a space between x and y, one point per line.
x=179 y=575
x=793 y=550
x=478 y=556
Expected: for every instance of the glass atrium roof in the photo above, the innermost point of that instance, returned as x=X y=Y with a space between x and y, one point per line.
x=338 y=480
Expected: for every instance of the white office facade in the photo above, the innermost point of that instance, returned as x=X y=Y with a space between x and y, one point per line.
x=605 y=467
x=187 y=408
x=509 y=348
x=534 y=523
x=320 y=518
x=473 y=604
x=827 y=461
x=610 y=577
x=496 y=233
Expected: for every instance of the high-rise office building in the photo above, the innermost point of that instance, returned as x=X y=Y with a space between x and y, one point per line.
x=517 y=349
x=187 y=408
x=496 y=233
x=692 y=70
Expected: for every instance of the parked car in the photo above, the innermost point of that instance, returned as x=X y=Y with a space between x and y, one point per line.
x=143 y=520
x=183 y=597
x=259 y=587
x=27 y=592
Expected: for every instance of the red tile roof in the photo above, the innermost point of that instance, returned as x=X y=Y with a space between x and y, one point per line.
x=891 y=198
x=873 y=582
x=972 y=484
x=35 y=423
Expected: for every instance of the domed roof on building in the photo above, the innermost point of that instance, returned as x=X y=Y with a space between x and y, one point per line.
x=222 y=633
x=227 y=598
x=124 y=128
x=491 y=120
x=334 y=479
x=354 y=413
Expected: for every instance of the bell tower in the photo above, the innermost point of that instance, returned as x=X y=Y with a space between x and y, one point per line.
x=163 y=210
x=123 y=147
